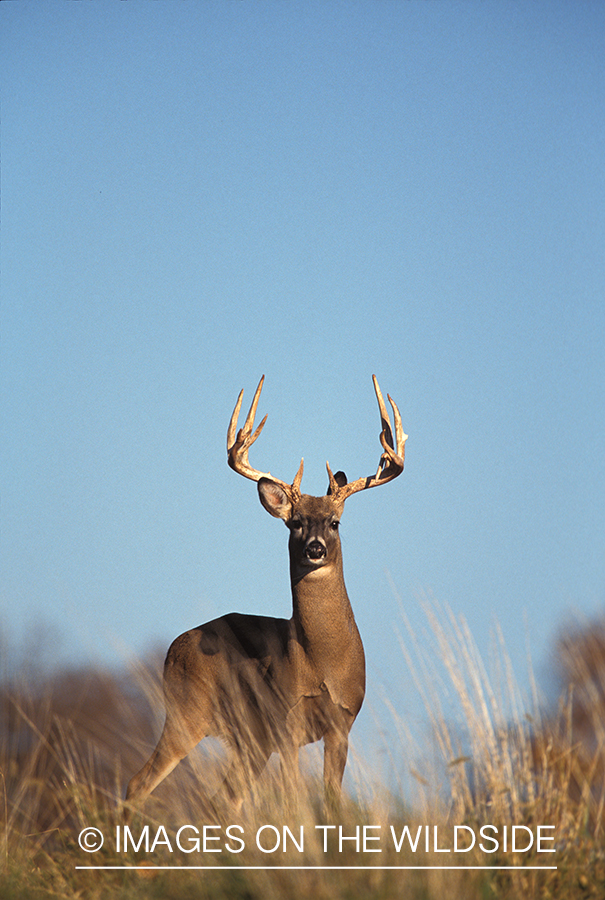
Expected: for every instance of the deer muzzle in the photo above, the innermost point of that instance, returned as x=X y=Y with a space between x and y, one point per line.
x=315 y=550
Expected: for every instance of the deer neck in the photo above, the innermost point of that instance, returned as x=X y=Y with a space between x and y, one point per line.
x=325 y=630
x=321 y=610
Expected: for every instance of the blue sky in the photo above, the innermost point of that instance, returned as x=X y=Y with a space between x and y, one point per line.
x=194 y=194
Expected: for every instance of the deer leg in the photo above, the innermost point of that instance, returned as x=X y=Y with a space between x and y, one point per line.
x=244 y=768
x=292 y=741
x=175 y=743
x=336 y=747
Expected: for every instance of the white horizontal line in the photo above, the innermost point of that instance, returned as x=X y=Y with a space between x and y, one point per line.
x=314 y=868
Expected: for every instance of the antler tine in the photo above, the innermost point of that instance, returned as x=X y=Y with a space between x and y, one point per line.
x=231 y=431
x=396 y=451
x=298 y=479
x=386 y=423
x=390 y=464
x=239 y=443
x=400 y=436
x=333 y=489
x=248 y=424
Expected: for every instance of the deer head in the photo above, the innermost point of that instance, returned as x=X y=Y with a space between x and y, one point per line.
x=312 y=521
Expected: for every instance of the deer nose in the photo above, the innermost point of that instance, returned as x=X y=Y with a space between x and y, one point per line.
x=315 y=550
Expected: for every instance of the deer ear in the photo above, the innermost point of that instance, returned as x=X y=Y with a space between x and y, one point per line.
x=274 y=499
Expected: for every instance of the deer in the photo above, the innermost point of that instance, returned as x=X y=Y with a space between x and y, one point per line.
x=266 y=684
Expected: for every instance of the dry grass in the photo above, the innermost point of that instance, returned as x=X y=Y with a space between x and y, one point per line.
x=70 y=741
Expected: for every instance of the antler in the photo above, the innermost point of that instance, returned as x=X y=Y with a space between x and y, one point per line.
x=238 y=447
x=390 y=464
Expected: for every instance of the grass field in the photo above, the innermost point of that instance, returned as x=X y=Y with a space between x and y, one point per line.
x=511 y=778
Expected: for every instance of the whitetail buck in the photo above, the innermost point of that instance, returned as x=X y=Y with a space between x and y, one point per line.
x=267 y=684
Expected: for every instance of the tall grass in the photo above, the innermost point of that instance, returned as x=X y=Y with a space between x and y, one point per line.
x=70 y=741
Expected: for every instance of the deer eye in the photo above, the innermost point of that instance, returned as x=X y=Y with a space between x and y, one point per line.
x=295 y=524
x=334 y=526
